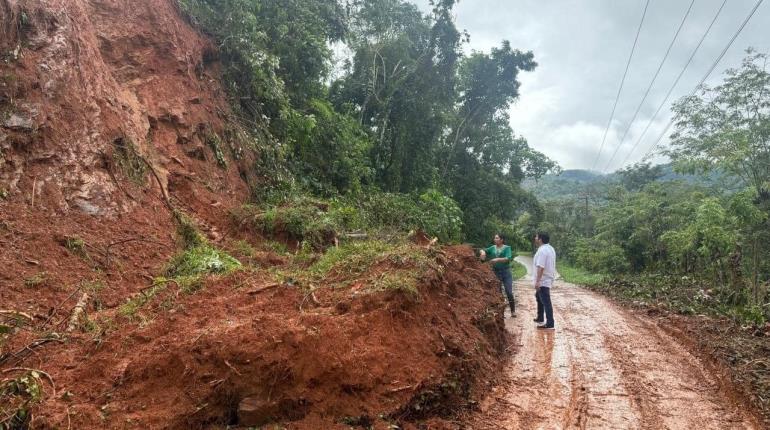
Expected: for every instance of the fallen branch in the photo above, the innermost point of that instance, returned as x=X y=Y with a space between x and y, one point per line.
x=165 y=199
x=28 y=349
x=404 y=388
x=355 y=235
x=233 y=369
x=263 y=288
x=312 y=297
x=77 y=312
x=50 y=317
x=16 y=314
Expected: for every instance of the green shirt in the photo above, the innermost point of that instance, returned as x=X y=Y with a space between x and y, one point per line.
x=505 y=252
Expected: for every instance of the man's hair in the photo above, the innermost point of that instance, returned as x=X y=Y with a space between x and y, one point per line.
x=543 y=236
x=501 y=236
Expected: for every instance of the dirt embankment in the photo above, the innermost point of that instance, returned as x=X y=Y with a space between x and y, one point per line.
x=332 y=359
x=105 y=106
x=100 y=102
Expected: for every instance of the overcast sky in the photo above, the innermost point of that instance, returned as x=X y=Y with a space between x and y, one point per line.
x=582 y=47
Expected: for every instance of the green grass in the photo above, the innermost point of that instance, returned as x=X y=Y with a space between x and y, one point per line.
x=518 y=270
x=576 y=275
x=201 y=260
x=38 y=279
x=400 y=266
x=130 y=308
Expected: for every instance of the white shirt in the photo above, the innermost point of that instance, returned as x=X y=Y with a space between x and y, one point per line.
x=545 y=257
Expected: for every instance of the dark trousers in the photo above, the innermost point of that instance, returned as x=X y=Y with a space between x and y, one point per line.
x=504 y=275
x=544 y=306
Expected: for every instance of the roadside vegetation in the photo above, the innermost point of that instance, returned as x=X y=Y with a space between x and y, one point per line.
x=695 y=244
x=577 y=275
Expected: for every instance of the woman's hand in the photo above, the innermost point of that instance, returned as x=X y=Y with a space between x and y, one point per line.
x=483 y=255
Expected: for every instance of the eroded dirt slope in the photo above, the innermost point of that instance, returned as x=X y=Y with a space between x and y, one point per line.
x=337 y=359
x=93 y=93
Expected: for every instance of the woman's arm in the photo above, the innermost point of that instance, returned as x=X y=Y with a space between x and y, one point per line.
x=506 y=258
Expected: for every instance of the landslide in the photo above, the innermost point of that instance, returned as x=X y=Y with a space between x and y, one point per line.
x=105 y=106
x=111 y=112
x=342 y=353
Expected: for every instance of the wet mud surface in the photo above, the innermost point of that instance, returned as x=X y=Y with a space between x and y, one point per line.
x=603 y=367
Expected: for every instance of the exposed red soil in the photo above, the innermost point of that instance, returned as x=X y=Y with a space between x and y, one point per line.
x=82 y=78
x=85 y=75
x=79 y=81
x=354 y=356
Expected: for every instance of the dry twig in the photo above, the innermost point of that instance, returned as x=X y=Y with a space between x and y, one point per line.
x=77 y=312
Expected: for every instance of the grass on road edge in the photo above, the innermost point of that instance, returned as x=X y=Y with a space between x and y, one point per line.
x=575 y=275
x=518 y=270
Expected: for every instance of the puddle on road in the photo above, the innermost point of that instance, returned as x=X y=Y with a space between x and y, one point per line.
x=601 y=368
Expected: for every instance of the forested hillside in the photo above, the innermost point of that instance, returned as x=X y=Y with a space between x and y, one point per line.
x=409 y=113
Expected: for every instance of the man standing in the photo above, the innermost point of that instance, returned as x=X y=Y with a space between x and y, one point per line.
x=501 y=263
x=545 y=272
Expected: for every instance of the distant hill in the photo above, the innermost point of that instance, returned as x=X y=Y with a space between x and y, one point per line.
x=573 y=183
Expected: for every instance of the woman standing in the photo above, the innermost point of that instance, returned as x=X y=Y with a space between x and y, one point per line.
x=500 y=257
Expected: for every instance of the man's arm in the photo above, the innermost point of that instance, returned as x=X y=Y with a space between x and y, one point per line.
x=539 y=276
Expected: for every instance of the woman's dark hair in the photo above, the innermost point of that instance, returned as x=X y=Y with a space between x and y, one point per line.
x=543 y=236
x=501 y=236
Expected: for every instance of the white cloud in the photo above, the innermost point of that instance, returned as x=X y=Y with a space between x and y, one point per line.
x=582 y=48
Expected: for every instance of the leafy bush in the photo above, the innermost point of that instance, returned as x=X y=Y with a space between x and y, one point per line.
x=401 y=265
x=602 y=257
x=435 y=213
x=441 y=216
x=328 y=150
x=200 y=260
x=318 y=222
x=302 y=219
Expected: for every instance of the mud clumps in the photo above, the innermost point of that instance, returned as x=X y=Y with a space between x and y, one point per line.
x=230 y=357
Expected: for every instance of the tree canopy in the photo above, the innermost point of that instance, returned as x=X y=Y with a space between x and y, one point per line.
x=408 y=112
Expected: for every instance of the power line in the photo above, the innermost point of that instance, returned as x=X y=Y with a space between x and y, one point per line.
x=649 y=87
x=676 y=81
x=622 y=81
x=706 y=76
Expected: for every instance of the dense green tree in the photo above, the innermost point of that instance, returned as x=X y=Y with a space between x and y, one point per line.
x=299 y=34
x=728 y=126
x=401 y=86
x=329 y=151
x=409 y=113
x=487 y=86
x=635 y=177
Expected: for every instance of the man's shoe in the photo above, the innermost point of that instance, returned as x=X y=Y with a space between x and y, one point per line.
x=537 y=321
x=546 y=327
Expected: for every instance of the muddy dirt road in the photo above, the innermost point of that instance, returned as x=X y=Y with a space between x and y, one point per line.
x=602 y=368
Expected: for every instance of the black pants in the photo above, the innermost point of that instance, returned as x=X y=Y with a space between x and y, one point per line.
x=505 y=276
x=544 y=306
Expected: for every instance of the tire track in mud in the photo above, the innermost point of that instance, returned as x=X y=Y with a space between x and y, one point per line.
x=603 y=367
